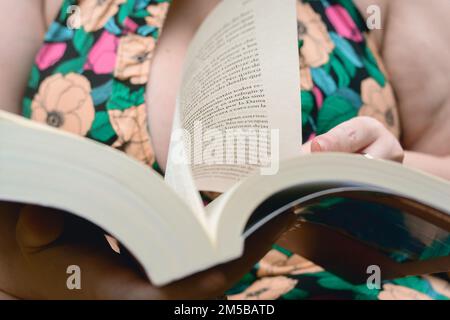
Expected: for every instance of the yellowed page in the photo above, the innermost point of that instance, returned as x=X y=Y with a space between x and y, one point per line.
x=239 y=103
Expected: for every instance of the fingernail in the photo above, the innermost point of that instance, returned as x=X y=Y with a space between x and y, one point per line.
x=321 y=144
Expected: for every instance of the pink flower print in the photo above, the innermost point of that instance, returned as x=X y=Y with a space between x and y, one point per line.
x=343 y=23
x=49 y=54
x=312 y=136
x=318 y=96
x=102 y=58
x=130 y=25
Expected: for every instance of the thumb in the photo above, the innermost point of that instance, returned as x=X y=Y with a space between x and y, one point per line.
x=38 y=227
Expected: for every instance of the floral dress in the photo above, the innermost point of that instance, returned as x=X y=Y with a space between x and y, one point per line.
x=91 y=81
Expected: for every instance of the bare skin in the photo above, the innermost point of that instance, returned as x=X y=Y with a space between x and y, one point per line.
x=424 y=104
x=414 y=43
x=415 y=46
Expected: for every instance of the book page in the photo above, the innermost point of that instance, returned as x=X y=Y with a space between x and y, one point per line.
x=179 y=175
x=239 y=103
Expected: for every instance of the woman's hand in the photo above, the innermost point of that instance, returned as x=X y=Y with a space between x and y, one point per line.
x=360 y=135
x=46 y=242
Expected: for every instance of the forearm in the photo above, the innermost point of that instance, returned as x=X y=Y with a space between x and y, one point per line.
x=21 y=34
x=438 y=166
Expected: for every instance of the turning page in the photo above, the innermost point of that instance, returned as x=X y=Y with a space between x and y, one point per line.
x=239 y=104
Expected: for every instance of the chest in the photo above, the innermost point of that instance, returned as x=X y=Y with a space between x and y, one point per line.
x=416 y=51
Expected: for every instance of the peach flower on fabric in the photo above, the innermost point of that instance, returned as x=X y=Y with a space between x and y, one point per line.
x=270 y=288
x=158 y=14
x=276 y=263
x=439 y=285
x=95 y=13
x=134 y=58
x=130 y=126
x=317 y=44
x=380 y=104
x=64 y=102
x=395 y=292
x=306 y=80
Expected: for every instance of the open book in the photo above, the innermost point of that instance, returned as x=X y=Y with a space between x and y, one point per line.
x=241 y=75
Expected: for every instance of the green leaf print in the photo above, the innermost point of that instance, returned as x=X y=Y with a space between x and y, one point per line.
x=125 y=10
x=101 y=130
x=143 y=13
x=63 y=14
x=330 y=281
x=308 y=104
x=372 y=68
x=347 y=64
x=351 y=96
x=295 y=294
x=335 y=110
x=421 y=285
x=243 y=284
x=83 y=41
x=282 y=250
x=439 y=248
x=74 y=65
x=343 y=78
x=26 y=107
x=33 y=82
x=123 y=97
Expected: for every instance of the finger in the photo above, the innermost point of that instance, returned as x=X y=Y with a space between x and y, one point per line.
x=50 y=241
x=5 y=296
x=104 y=274
x=43 y=274
x=386 y=147
x=350 y=136
x=38 y=227
x=306 y=147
